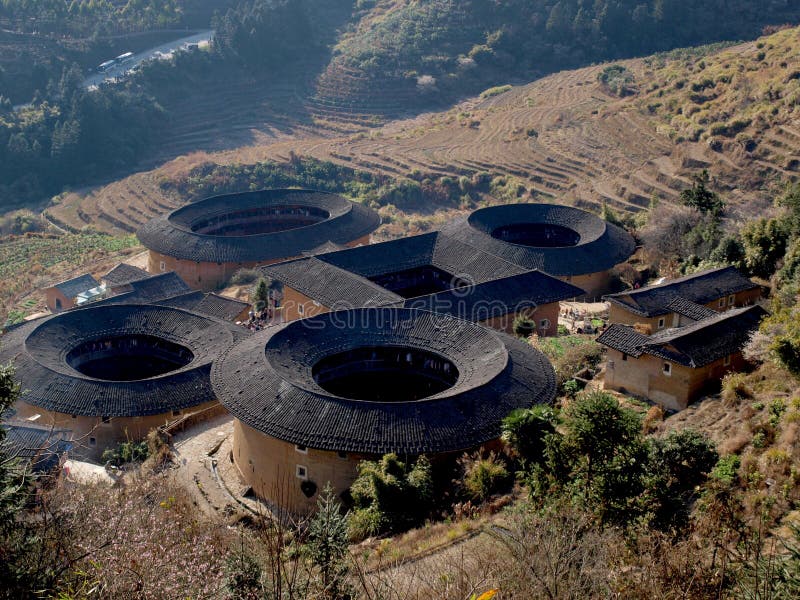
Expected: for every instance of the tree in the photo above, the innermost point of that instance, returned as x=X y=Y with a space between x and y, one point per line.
x=260 y=293
x=700 y=197
x=765 y=243
x=13 y=494
x=328 y=543
x=526 y=429
x=677 y=464
x=604 y=454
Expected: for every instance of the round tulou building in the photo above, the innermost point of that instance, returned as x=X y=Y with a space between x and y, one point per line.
x=565 y=242
x=206 y=242
x=112 y=373
x=314 y=397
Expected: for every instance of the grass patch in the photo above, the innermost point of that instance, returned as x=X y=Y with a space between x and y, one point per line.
x=555 y=347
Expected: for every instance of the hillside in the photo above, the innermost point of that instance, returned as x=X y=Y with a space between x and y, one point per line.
x=567 y=137
x=403 y=53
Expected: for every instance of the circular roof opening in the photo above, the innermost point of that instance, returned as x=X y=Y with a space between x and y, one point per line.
x=385 y=374
x=128 y=357
x=259 y=220
x=537 y=235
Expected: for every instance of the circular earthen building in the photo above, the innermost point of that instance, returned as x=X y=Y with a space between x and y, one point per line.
x=112 y=373
x=206 y=242
x=565 y=242
x=314 y=397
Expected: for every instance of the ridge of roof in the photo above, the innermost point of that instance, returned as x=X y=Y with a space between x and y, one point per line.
x=700 y=288
x=694 y=345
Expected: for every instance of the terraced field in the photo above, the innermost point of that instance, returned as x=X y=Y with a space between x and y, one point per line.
x=564 y=137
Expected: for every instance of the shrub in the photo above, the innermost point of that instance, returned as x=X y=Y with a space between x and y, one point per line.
x=399 y=495
x=495 y=91
x=618 y=80
x=524 y=327
x=126 y=452
x=483 y=477
x=245 y=276
x=727 y=469
x=525 y=430
x=735 y=388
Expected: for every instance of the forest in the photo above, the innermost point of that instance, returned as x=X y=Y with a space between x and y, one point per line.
x=484 y=40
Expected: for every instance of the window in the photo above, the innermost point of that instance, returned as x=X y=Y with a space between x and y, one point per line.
x=731 y=300
x=727 y=360
x=301 y=449
x=342 y=455
x=74 y=416
x=661 y=323
x=667 y=369
x=162 y=266
x=301 y=472
x=92 y=441
x=106 y=419
x=301 y=309
x=624 y=356
x=721 y=303
x=544 y=323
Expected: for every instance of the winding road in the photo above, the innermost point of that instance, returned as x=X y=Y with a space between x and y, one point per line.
x=155 y=53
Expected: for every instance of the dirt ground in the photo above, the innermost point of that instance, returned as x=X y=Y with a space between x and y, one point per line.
x=202 y=465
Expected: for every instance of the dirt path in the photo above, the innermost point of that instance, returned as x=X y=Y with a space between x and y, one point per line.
x=193 y=448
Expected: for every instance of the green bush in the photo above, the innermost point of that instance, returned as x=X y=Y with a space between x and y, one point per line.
x=525 y=430
x=396 y=495
x=727 y=469
x=245 y=276
x=126 y=452
x=524 y=327
x=482 y=477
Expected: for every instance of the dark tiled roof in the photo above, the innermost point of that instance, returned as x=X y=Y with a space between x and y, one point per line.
x=213 y=305
x=695 y=345
x=330 y=285
x=266 y=382
x=689 y=309
x=499 y=297
x=625 y=339
x=700 y=288
x=39 y=350
x=600 y=247
x=185 y=301
x=434 y=249
x=151 y=290
x=124 y=273
x=221 y=307
x=340 y=279
x=39 y=448
x=325 y=248
x=77 y=285
x=173 y=234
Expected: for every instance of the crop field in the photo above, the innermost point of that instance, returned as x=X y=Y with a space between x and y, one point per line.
x=31 y=262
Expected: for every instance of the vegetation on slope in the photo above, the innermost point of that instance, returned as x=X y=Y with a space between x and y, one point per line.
x=464 y=44
x=86 y=18
x=727 y=97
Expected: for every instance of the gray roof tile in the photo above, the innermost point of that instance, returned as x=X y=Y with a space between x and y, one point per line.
x=700 y=288
x=600 y=246
x=266 y=382
x=174 y=235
